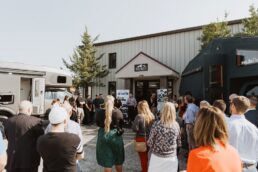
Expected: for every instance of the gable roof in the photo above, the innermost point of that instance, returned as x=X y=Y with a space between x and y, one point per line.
x=129 y=71
x=150 y=58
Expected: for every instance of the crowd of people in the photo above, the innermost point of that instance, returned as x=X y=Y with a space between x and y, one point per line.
x=216 y=141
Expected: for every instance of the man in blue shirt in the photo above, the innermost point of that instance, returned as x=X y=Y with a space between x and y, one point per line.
x=189 y=118
x=3 y=157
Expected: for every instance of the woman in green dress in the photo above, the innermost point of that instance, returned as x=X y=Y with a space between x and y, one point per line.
x=110 y=145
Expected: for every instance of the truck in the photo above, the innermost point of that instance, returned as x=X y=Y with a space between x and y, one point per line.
x=38 y=84
x=226 y=66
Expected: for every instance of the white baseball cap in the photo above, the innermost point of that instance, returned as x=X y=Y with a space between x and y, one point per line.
x=57 y=115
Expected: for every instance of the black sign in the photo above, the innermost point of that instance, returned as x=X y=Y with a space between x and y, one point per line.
x=140 y=67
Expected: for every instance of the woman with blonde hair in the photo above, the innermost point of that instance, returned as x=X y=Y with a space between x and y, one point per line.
x=204 y=103
x=142 y=125
x=110 y=145
x=163 y=141
x=213 y=154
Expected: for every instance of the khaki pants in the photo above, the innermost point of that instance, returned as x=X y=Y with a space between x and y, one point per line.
x=190 y=138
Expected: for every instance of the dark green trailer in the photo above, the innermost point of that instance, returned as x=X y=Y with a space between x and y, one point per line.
x=228 y=65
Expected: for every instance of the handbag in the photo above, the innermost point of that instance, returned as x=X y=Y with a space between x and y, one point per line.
x=141 y=146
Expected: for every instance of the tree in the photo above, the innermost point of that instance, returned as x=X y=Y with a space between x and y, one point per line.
x=84 y=64
x=214 y=30
x=251 y=24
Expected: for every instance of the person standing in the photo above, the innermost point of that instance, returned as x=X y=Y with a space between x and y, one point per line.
x=110 y=145
x=189 y=119
x=131 y=104
x=88 y=111
x=71 y=126
x=243 y=135
x=96 y=103
x=214 y=154
x=3 y=157
x=96 y=107
x=252 y=113
x=153 y=104
x=142 y=125
x=164 y=139
x=204 y=103
x=221 y=105
x=22 y=132
x=101 y=100
x=59 y=149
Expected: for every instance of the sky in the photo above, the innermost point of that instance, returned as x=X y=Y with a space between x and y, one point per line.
x=42 y=32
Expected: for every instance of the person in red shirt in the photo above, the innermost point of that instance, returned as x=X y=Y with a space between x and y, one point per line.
x=213 y=154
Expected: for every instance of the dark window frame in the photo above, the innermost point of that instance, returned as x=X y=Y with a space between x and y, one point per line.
x=216 y=75
x=111 y=64
x=109 y=87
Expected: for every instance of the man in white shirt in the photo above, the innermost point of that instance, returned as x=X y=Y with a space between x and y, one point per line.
x=243 y=135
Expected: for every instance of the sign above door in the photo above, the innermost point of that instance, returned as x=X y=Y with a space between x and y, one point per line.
x=141 y=67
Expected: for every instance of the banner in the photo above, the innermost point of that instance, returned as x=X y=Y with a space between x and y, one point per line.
x=123 y=95
x=161 y=93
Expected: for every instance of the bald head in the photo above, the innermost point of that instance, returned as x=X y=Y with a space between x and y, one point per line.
x=25 y=107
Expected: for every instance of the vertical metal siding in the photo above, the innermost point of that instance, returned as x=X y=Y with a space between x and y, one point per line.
x=174 y=50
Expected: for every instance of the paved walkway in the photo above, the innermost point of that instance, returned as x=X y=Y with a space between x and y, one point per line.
x=90 y=138
x=132 y=162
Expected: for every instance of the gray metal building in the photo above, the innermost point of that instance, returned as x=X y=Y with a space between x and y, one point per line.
x=145 y=63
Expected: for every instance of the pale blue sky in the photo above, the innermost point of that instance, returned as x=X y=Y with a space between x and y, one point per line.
x=44 y=31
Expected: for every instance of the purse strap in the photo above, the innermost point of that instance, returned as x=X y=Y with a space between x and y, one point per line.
x=144 y=126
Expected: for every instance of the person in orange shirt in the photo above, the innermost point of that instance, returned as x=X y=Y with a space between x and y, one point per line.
x=213 y=154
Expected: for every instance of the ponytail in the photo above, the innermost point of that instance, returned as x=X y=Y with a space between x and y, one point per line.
x=109 y=105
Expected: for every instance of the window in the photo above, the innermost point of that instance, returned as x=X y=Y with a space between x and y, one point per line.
x=216 y=75
x=112 y=60
x=246 y=57
x=112 y=88
x=36 y=89
x=61 y=79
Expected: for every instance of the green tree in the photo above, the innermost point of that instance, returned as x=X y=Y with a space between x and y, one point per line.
x=251 y=24
x=214 y=30
x=85 y=65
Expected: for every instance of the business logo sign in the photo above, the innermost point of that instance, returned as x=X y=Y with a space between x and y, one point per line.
x=141 y=67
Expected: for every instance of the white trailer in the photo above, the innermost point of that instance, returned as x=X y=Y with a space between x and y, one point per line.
x=37 y=84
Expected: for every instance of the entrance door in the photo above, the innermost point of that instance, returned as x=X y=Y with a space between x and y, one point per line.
x=25 y=89
x=38 y=89
x=144 y=89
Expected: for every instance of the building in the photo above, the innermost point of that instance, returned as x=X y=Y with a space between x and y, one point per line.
x=146 y=63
